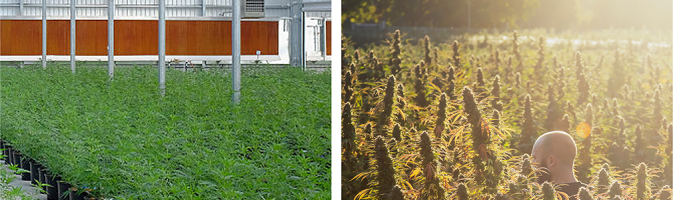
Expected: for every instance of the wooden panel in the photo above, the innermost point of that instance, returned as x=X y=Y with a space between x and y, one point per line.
x=136 y=37
x=24 y=37
x=261 y=36
x=91 y=38
x=198 y=38
x=328 y=37
x=58 y=37
x=214 y=38
x=20 y=37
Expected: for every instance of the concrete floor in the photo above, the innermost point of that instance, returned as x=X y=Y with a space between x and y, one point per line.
x=25 y=185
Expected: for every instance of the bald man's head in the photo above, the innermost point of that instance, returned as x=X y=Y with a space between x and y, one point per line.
x=557 y=143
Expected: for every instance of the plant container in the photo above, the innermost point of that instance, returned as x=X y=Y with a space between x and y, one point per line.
x=41 y=178
x=25 y=164
x=52 y=190
x=75 y=194
x=63 y=188
x=34 y=172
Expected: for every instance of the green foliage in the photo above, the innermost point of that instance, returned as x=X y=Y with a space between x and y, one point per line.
x=641 y=183
x=386 y=172
x=548 y=192
x=529 y=129
x=464 y=130
x=397 y=193
x=122 y=138
x=584 y=194
x=615 y=190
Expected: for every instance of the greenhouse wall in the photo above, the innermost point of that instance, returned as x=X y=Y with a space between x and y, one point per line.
x=137 y=37
x=195 y=30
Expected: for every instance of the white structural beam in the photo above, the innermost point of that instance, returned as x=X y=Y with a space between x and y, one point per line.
x=111 y=38
x=236 y=51
x=44 y=34
x=162 y=47
x=73 y=35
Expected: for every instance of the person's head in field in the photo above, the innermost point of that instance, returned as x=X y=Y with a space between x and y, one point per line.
x=555 y=151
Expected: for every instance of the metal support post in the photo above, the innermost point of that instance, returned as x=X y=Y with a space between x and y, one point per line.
x=302 y=35
x=296 y=43
x=203 y=8
x=236 y=51
x=73 y=35
x=162 y=47
x=323 y=39
x=44 y=34
x=111 y=38
x=21 y=12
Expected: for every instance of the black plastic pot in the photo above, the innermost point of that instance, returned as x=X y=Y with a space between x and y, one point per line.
x=34 y=174
x=2 y=146
x=42 y=174
x=76 y=195
x=17 y=158
x=10 y=155
x=25 y=164
x=6 y=152
x=52 y=190
x=89 y=196
x=62 y=188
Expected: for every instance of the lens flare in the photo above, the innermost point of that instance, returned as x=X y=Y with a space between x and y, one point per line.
x=583 y=130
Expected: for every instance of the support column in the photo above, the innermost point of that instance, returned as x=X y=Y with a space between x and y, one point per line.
x=203 y=8
x=73 y=35
x=162 y=47
x=21 y=12
x=44 y=34
x=111 y=38
x=236 y=51
x=323 y=39
x=296 y=26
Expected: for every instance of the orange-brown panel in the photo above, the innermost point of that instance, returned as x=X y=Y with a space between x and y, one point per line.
x=214 y=38
x=20 y=37
x=58 y=37
x=198 y=38
x=24 y=37
x=261 y=36
x=91 y=38
x=136 y=37
x=328 y=37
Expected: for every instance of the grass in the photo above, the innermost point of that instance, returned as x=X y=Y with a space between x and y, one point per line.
x=124 y=140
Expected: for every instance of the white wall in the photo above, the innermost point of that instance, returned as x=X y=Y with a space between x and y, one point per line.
x=134 y=9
